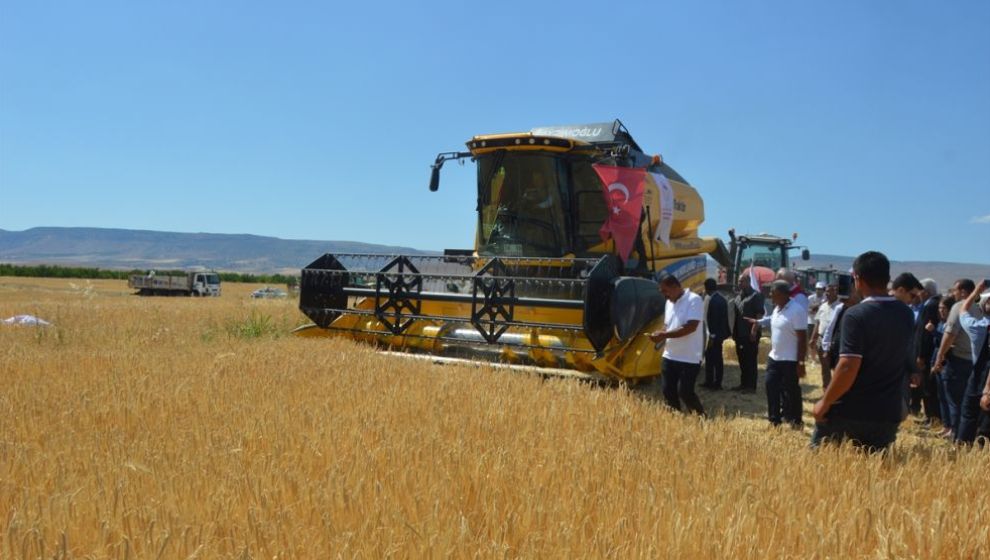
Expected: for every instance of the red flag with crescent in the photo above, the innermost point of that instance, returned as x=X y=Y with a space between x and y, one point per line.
x=623 y=189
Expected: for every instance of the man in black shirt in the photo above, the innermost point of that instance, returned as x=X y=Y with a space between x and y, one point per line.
x=927 y=393
x=717 y=323
x=748 y=304
x=864 y=402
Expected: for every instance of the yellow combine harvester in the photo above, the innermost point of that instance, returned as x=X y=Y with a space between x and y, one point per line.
x=540 y=288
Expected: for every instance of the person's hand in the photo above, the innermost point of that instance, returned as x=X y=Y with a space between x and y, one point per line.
x=920 y=363
x=820 y=410
x=658 y=336
x=937 y=368
x=981 y=287
x=801 y=371
x=985 y=402
x=930 y=326
x=915 y=380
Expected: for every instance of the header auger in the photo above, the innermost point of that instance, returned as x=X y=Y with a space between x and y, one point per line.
x=540 y=288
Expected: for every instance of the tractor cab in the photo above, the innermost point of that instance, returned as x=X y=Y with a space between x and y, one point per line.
x=764 y=251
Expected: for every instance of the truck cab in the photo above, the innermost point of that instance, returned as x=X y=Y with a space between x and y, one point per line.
x=205 y=284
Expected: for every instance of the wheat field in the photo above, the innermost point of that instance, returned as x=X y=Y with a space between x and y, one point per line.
x=198 y=428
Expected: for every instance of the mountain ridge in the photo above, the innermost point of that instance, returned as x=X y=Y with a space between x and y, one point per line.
x=127 y=248
x=119 y=248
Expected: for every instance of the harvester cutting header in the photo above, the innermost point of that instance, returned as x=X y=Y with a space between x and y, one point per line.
x=575 y=226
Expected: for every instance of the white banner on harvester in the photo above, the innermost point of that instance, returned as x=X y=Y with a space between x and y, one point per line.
x=666 y=208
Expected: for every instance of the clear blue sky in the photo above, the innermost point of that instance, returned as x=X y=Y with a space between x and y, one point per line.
x=857 y=124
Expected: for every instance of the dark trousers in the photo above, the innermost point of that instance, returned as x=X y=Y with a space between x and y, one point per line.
x=970 y=414
x=917 y=397
x=677 y=381
x=747 y=351
x=872 y=436
x=929 y=398
x=826 y=363
x=783 y=392
x=714 y=365
x=954 y=377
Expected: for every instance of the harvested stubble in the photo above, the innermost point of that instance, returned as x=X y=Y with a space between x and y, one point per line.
x=143 y=428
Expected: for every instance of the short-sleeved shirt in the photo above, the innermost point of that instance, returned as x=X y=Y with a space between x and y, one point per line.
x=784 y=325
x=880 y=331
x=829 y=329
x=814 y=305
x=687 y=349
x=962 y=347
x=824 y=315
x=976 y=328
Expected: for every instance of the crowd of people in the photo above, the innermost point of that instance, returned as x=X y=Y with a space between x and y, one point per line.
x=887 y=348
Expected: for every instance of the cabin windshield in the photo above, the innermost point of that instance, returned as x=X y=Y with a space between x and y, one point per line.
x=769 y=256
x=522 y=205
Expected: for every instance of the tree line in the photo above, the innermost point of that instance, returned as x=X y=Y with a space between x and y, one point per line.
x=55 y=271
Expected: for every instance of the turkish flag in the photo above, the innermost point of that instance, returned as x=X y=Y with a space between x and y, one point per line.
x=623 y=189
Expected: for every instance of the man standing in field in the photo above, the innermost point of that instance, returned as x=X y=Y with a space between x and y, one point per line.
x=864 y=402
x=717 y=321
x=788 y=347
x=976 y=323
x=822 y=319
x=927 y=393
x=685 y=342
x=747 y=305
x=954 y=360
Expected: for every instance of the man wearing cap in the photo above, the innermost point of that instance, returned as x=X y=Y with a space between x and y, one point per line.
x=815 y=301
x=822 y=320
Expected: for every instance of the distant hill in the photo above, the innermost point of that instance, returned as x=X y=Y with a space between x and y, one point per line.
x=123 y=248
x=944 y=273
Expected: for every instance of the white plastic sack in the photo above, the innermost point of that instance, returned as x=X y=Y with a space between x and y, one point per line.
x=30 y=320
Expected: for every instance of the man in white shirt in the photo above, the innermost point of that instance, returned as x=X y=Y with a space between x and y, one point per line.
x=815 y=301
x=788 y=346
x=685 y=343
x=820 y=325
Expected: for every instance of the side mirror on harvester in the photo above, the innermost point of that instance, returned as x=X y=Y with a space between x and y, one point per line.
x=435 y=177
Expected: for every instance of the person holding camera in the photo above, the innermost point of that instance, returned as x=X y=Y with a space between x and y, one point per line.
x=975 y=320
x=954 y=361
